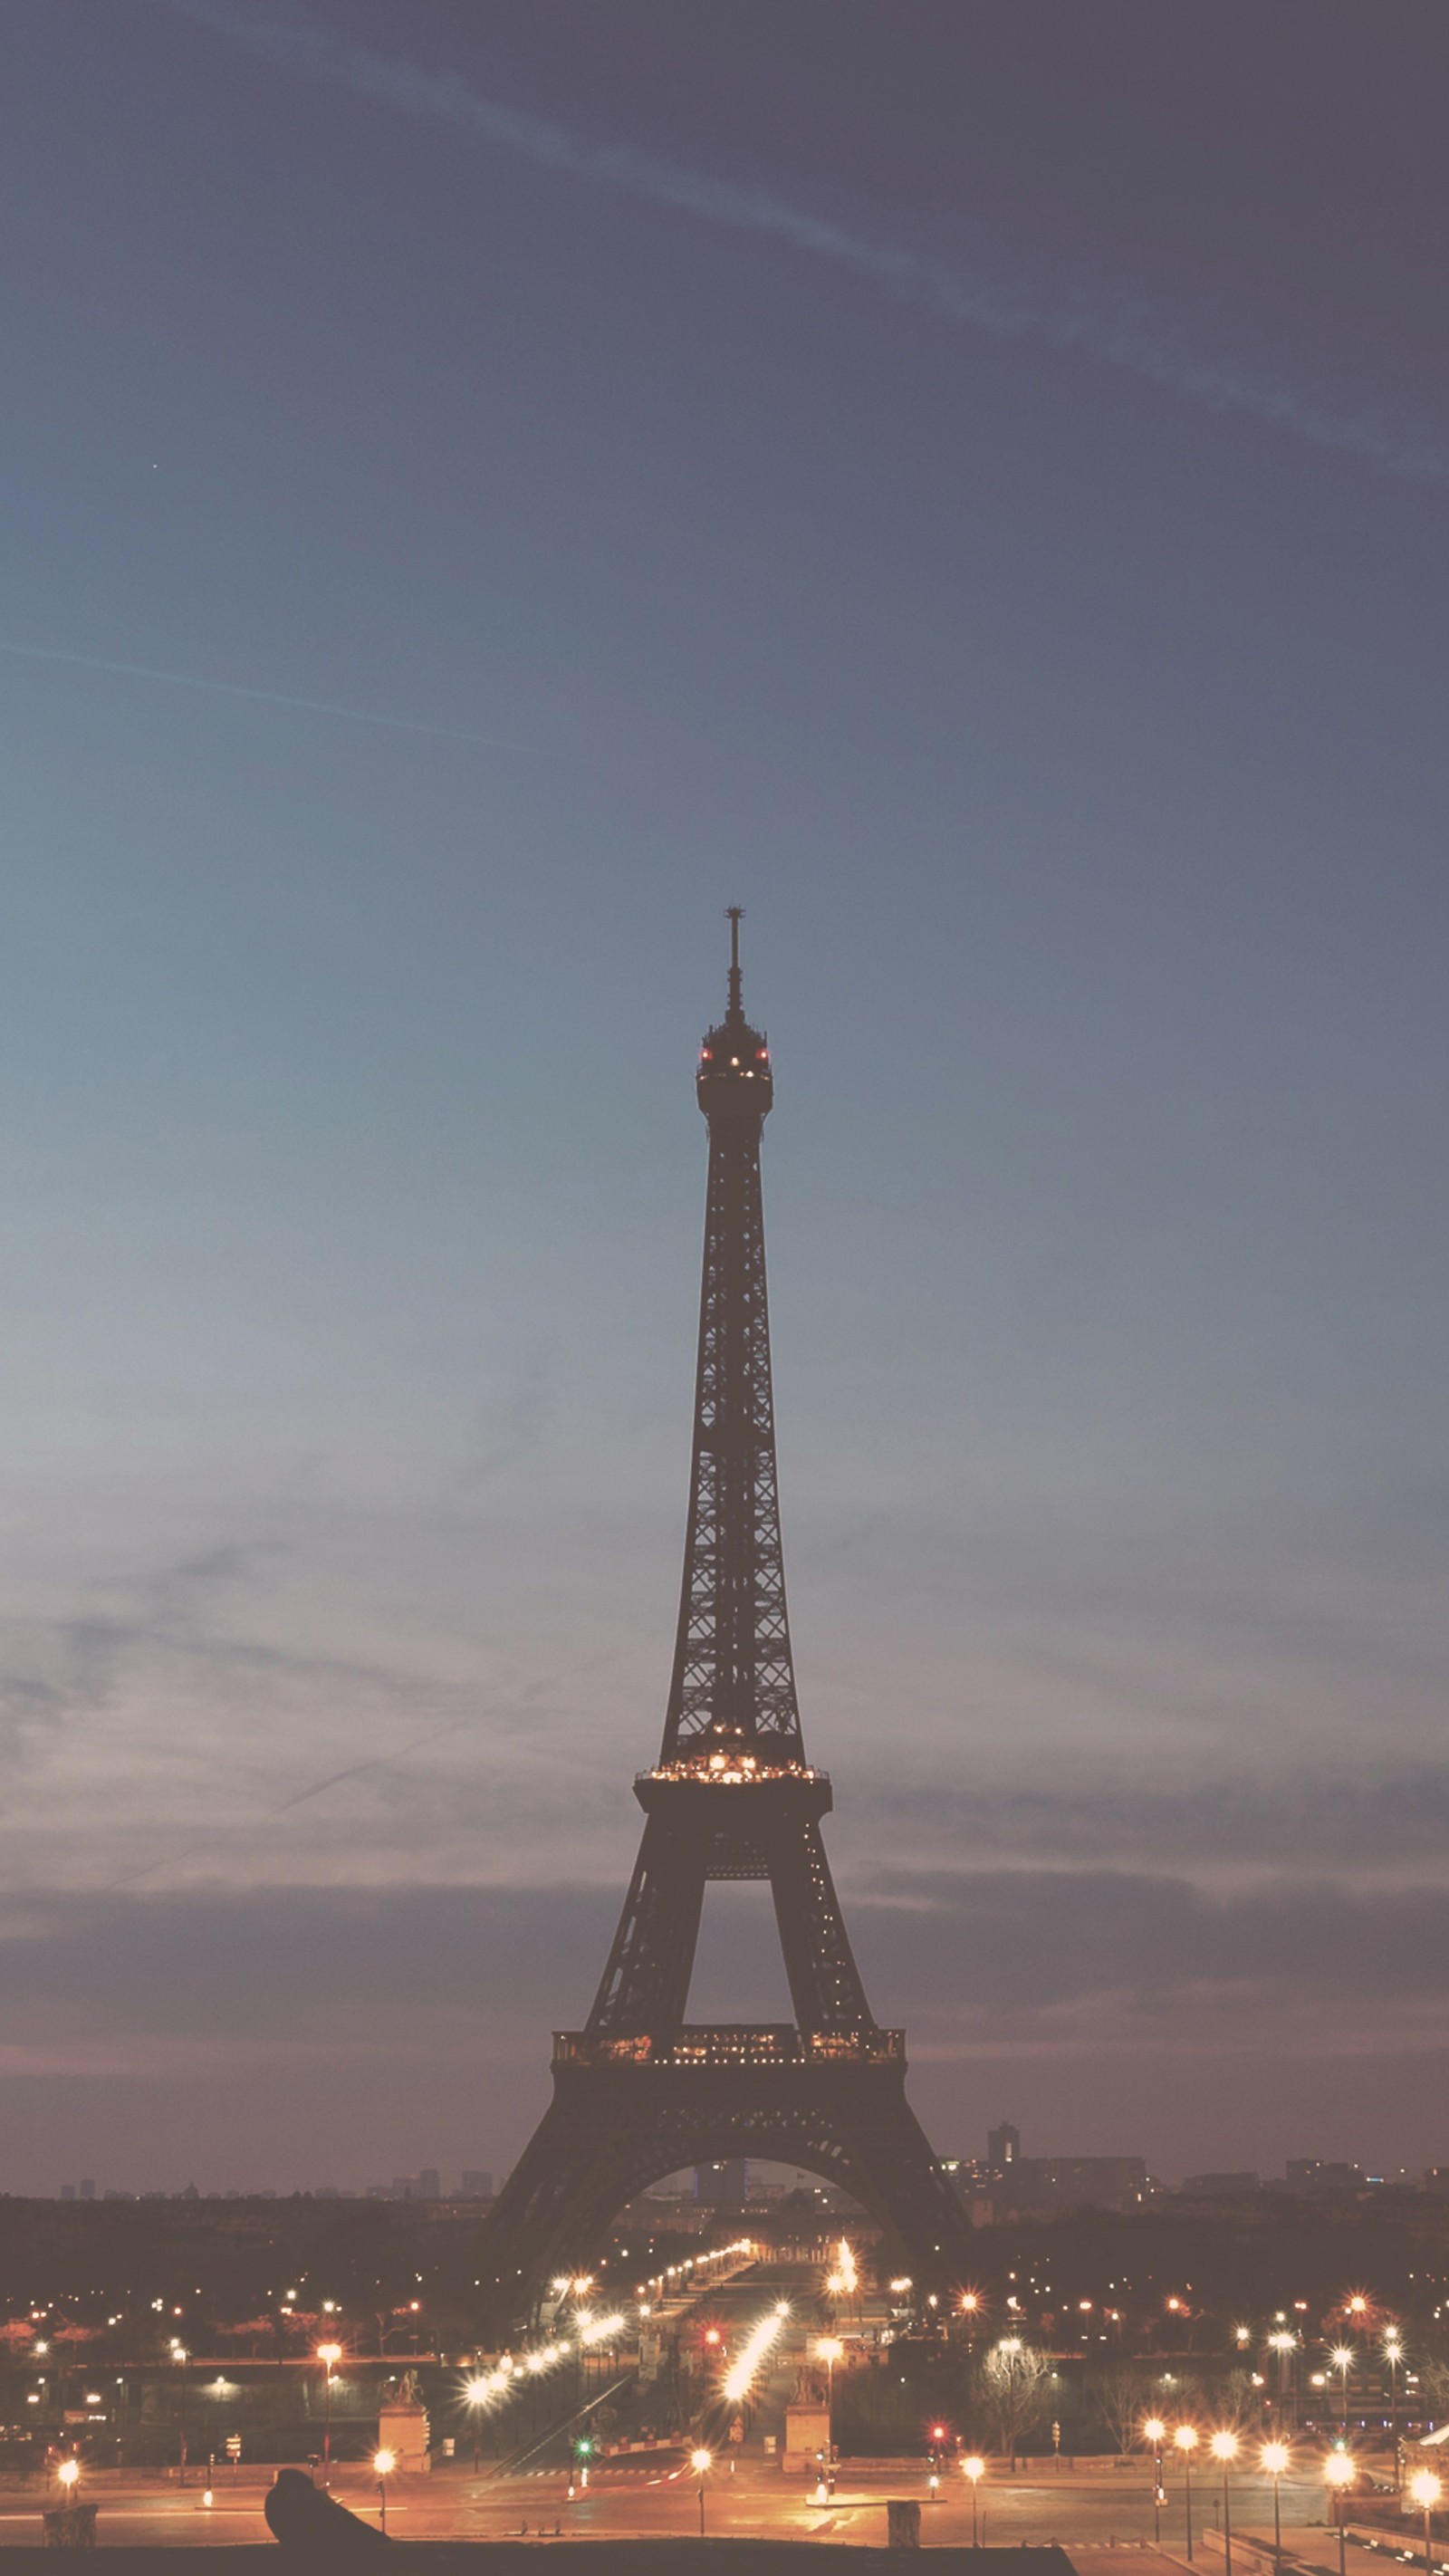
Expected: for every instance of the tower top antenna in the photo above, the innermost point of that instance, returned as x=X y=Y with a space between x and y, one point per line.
x=734 y=915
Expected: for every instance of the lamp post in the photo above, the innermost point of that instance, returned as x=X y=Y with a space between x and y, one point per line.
x=701 y=2462
x=1426 y=2490
x=69 y=2475
x=1285 y=2345
x=829 y=2350
x=384 y=2462
x=1393 y=2355
x=1185 y=2440
x=1224 y=2447
x=329 y=2354
x=1155 y=2432
x=475 y=2397
x=1274 y=2457
x=1342 y=2360
x=1340 y=2471
x=1010 y=2350
x=974 y=2468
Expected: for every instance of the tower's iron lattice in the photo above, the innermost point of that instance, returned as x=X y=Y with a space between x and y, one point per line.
x=640 y=2092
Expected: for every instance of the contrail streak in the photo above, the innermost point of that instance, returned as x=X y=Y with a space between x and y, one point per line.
x=264 y=697
x=1114 y=324
x=299 y=1797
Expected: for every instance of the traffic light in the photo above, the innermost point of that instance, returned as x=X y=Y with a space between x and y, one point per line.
x=583 y=2448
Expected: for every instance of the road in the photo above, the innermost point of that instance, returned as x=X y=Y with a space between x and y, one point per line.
x=1088 y=2509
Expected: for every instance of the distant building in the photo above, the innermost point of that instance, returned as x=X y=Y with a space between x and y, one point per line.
x=1011 y=2181
x=476 y=2184
x=325 y=2191
x=88 y=2191
x=1003 y=2148
x=1079 y=2182
x=67 y=2191
x=724 y=2185
x=1220 y=2186
x=1311 y=2175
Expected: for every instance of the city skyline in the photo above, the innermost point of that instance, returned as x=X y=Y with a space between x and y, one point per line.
x=1061 y=701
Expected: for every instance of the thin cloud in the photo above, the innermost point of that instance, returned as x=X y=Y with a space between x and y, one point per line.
x=263 y=697
x=1145 y=336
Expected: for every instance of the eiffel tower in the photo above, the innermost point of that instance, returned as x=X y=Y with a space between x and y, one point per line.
x=641 y=2092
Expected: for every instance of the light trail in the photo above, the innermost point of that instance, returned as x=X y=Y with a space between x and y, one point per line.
x=741 y=2377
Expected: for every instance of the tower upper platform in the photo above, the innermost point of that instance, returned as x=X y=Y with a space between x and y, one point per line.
x=734 y=1078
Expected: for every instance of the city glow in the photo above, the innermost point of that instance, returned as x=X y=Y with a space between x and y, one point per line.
x=740 y=2379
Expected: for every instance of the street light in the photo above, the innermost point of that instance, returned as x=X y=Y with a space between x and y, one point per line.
x=701 y=2462
x=1185 y=2440
x=384 y=2462
x=476 y=2393
x=1224 y=2447
x=329 y=2354
x=1340 y=2471
x=1426 y=2490
x=975 y=2469
x=1010 y=2346
x=1393 y=2355
x=829 y=2350
x=1155 y=2432
x=1274 y=2456
x=1341 y=2358
x=69 y=2471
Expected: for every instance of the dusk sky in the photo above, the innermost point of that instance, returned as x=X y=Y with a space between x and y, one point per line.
x=490 y=483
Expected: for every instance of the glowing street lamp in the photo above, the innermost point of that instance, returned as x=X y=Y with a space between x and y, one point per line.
x=1155 y=2432
x=1224 y=2447
x=1340 y=2471
x=974 y=2468
x=1393 y=2355
x=701 y=2462
x=383 y=2462
x=1185 y=2440
x=1426 y=2490
x=1274 y=2456
x=1341 y=2358
x=329 y=2354
x=69 y=2472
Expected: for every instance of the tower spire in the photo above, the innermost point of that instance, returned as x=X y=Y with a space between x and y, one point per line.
x=734 y=915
